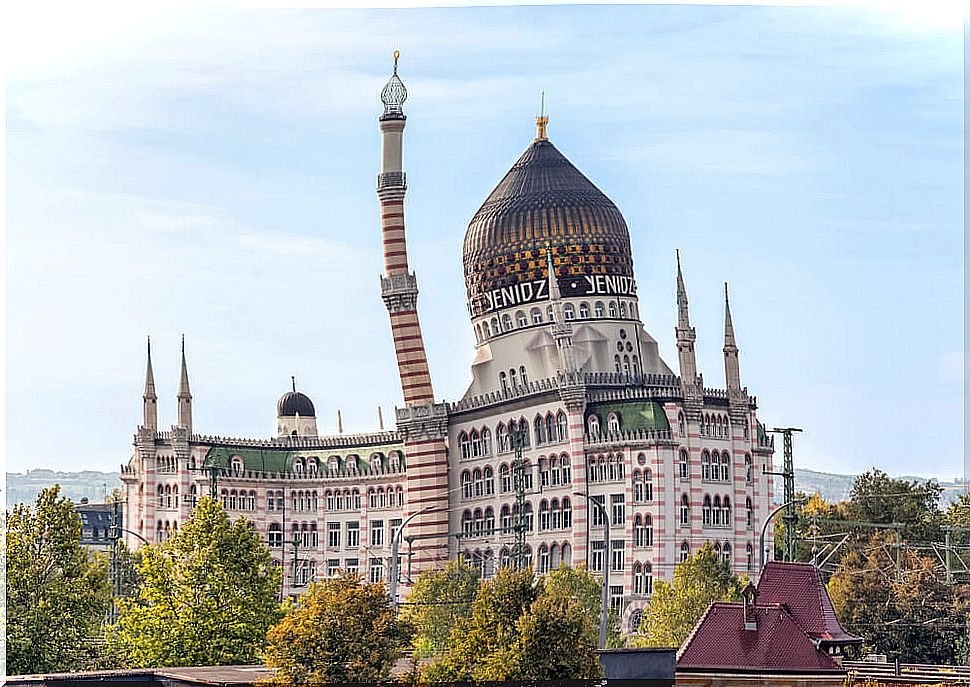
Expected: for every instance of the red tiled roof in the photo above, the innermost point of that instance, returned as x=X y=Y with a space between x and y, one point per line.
x=719 y=641
x=799 y=586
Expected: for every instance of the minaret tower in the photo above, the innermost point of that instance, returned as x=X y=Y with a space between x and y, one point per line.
x=184 y=395
x=150 y=400
x=732 y=367
x=690 y=381
x=423 y=422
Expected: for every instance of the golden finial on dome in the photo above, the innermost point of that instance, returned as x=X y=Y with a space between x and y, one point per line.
x=397 y=54
x=542 y=121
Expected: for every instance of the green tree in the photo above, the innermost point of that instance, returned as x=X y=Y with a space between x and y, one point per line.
x=522 y=628
x=208 y=596
x=877 y=497
x=436 y=602
x=341 y=631
x=57 y=594
x=676 y=607
x=583 y=586
x=914 y=617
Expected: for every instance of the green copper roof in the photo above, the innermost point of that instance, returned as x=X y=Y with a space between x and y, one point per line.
x=634 y=415
x=281 y=460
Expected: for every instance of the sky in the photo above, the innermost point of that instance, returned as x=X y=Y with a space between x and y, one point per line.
x=212 y=173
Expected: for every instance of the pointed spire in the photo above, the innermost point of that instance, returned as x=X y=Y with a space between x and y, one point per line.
x=728 y=324
x=340 y=423
x=184 y=395
x=149 y=375
x=184 y=378
x=293 y=379
x=554 y=294
x=380 y=418
x=542 y=121
x=149 y=399
x=683 y=316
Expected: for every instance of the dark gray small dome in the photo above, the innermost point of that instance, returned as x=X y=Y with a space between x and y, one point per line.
x=292 y=403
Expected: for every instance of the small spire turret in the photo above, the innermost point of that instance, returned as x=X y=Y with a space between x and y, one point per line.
x=149 y=399
x=732 y=366
x=184 y=395
x=685 y=334
x=394 y=94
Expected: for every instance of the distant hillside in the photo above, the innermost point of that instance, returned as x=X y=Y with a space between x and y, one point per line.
x=88 y=484
x=834 y=487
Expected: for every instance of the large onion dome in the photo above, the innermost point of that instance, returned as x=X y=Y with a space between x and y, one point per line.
x=544 y=203
x=295 y=403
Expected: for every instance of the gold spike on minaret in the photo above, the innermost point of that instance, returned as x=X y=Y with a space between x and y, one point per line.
x=380 y=418
x=340 y=423
x=542 y=121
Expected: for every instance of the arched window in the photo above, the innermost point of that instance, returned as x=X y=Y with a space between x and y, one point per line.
x=684 y=465
x=706 y=465
x=543 y=472
x=598 y=309
x=562 y=426
x=706 y=511
x=684 y=552
x=684 y=510
x=543 y=559
x=543 y=515
x=638 y=578
x=464 y=445
x=466 y=522
x=506 y=322
x=681 y=425
x=298 y=466
x=168 y=497
x=504 y=558
x=161 y=497
x=400 y=497
x=749 y=551
x=569 y=312
x=647 y=486
x=504 y=478
x=637 y=486
x=495 y=327
x=648 y=530
x=567 y=514
x=520 y=319
x=726 y=551
x=565 y=470
x=312 y=466
x=550 y=428
x=536 y=315
x=232 y=500
x=479 y=484
x=617 y=366
x=466 y=485
x=527 y=513
x=330 y=500
x=747 y=468
x=613 y=423
x=356 y=498
x=726 y=467
x=567 y=554
x=540 y=429
x=372 y=496
x=489 y=478
x=622 y=309
x=749 y=513
x=717 y=549
x=584 y=311
x=194 y=496
x=639 y=533
x=556 y=515
x=489 y=520
x=486 y=329
x=506 y=518
x=486 y=442
x=224 y=497
x=554 y=557
x=726 y=511
x=237 y=465
x=382 y=497
x=502 y=437
x=479 y=522
x=593 y=425
x=503 y=382
x=550 y=314
x=612 y=308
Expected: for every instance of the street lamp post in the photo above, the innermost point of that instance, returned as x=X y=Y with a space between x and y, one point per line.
x=605 y=594
x=764 y=527
x=395 y=558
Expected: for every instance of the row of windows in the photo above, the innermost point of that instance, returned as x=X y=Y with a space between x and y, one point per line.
x=548 y=557
x=614 y=309
x=715 y=467
x=310 y=465
x=715 y=512
x=165 y=531
x=553 y=471
x=168 y=496
x=608 y=468
x=717 y=426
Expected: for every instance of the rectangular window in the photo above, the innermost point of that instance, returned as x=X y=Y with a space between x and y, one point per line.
x=616 y=598
x=617 y=554
x=377 y=533
x=333 y=535
x=595 y=511
x=395 y=526
x=598 y=555
x=352 y=565
x=376 y=570
x=353 y=535
x=333 y=564
x=617 y=501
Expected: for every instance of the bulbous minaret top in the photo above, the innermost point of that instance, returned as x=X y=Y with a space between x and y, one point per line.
x=394 y=95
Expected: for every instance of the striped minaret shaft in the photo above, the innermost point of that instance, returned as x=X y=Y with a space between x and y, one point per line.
x=422 y=422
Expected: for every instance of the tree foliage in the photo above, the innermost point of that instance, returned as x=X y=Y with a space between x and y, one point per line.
x=523 y=628
x=208 y=596
x=676 y=607
x=57 y=595
x=341 y=631
x=914 y=617
x=436 y=602
x=877 y=497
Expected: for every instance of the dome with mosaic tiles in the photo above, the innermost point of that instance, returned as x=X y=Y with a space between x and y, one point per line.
x=543 y=203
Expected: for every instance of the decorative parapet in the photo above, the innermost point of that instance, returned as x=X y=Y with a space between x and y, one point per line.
x=340 y=441
x=624 y=379
x=638 y=437
x=400 y=292
x=541 y=386
x=428 y=421
x=323 y=477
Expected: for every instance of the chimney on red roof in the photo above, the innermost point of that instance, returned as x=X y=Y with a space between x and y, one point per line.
x=748 y=595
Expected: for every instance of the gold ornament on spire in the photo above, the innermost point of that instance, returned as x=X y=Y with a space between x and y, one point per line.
x=542 y=121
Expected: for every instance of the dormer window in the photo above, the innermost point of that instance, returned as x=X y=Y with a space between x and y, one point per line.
x=613 y=423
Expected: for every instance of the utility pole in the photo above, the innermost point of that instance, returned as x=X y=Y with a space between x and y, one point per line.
x=518 y=482
x=790 y=518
